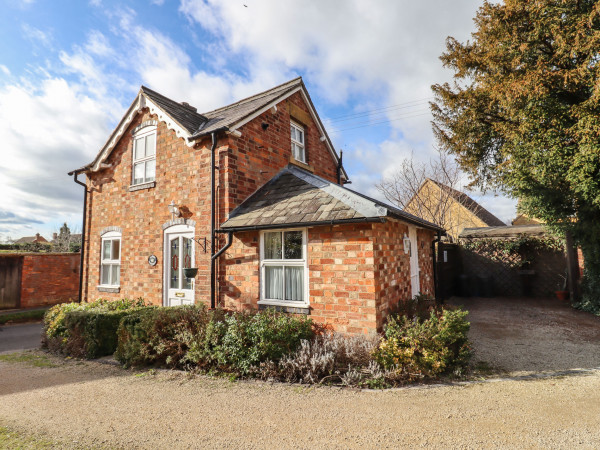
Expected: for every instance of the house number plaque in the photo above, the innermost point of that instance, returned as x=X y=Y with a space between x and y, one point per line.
x=152 y=260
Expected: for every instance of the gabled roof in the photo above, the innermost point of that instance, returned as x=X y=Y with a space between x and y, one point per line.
x=234 y=115
x=191 y=125
x=30 y=239
x=295 y=197
x=186 y=116
x=475 y=208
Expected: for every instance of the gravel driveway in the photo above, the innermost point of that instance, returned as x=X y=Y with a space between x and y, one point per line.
x=88 y=403
x=85 y=404
x=521 y=335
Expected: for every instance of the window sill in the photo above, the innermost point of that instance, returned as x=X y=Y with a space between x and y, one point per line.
x=286 y=307
x=139 y=187
x=110 y=289
x=301 y=164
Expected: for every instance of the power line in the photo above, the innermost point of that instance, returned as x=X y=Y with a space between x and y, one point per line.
x=370 y=111
x=370 y=124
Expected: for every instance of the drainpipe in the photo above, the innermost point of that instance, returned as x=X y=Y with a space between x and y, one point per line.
x=435 y=277
x=213 y=240
x=82 y=249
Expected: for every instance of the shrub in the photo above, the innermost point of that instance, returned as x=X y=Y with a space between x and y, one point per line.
x=327 y=357
x=85 y=329
x=92 y=333
x=416 y=348
x=252 y=338
x=161 y=336
x=208 y=339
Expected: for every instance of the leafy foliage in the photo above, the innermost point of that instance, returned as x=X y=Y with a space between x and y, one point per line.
x=514 y=253
x=524 y=112
x=86 y=329
x=209 y=339
x=416 y=348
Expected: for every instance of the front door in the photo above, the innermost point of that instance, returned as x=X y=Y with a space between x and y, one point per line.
x=179 y=252
x=414 y=261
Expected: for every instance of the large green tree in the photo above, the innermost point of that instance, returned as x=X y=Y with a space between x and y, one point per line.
x=523 y=114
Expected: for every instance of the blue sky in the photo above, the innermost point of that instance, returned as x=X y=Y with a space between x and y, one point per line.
x=69 y=70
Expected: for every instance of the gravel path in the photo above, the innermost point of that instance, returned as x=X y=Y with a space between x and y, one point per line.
x=521 y=335
x=88 y=403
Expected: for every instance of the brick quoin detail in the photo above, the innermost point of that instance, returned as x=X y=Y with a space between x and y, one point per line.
x=49 y=279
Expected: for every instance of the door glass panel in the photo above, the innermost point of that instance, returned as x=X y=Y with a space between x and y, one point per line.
x=273 y=245
x=274 y=283
x=187 y=261
x=292 y=245
x=174 y=264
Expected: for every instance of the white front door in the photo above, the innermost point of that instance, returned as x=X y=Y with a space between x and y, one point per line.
x=179 y=254
x=414 y=261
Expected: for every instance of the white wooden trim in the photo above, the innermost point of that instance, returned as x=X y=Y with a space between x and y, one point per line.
x=180 y=229
x=170 y=122
x=283 y=262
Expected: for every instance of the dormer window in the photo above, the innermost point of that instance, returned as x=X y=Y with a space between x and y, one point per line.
x=298 y=149
x=144 y=155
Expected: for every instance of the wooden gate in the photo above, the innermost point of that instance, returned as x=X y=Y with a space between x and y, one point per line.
x=11 y=268
x=448 y=268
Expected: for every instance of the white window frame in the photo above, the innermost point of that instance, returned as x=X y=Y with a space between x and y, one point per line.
x=300 y=145
x=109 y=237
x=284 y=262
x=143 y=133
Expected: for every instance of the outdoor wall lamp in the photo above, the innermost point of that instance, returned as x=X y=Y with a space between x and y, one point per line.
x=174 y=210
x=406 y=242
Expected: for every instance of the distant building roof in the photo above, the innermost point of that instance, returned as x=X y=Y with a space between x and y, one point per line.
x=503 y=232
x=295 y=197
x=30 y=239
x=483 y=214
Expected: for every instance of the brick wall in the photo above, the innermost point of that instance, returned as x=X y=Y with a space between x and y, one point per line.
x=258 y=154
x=356 y=273
x=49 y=279
x=392 y=265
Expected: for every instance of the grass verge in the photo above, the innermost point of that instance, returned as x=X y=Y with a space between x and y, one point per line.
x=31 y=359
x=18 y=440
x=23 y=316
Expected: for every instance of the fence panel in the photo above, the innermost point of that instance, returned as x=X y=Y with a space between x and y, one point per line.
x=10 y=281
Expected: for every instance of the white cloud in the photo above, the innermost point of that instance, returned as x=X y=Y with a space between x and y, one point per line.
x=4 y=69
x=385 y=54
x=47 y=131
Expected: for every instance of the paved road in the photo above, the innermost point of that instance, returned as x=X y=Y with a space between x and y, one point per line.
x=20 y=337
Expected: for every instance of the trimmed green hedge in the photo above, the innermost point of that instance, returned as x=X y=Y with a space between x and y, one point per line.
x=87 y=330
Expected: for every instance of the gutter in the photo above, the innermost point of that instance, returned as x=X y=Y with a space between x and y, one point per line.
x=302 y=224
x=82 y=249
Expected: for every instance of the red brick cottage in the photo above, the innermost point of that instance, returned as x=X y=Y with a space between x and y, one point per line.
x=286 y=232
